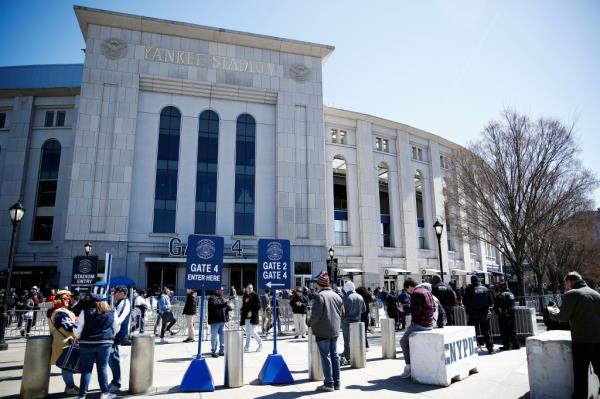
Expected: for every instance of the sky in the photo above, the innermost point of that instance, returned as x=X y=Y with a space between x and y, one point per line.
x=448 y=67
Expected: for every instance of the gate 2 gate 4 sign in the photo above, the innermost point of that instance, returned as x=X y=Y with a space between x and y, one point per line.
x=274 y=264
x=204 y=262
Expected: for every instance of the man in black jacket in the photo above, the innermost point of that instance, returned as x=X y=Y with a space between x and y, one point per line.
x=478 y=300
x=218 y=315
x=249 y=317
x=189 y=311
x=505 y=309
x=298 y=303
x=445 y=294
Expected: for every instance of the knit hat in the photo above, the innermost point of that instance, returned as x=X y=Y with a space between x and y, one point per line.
x=349 y=286
x=323 y=279
x=474 y=279
x=99 y=291
x=427 y=286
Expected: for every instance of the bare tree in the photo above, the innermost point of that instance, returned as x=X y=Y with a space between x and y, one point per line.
x=519 y=181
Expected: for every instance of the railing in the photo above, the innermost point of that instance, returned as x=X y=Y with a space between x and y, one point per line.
x=539 y=302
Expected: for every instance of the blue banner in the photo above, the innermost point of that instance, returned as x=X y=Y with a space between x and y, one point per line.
x=274 y=264
x=204 y=262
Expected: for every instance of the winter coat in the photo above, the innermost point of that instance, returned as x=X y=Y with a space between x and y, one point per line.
x=326 y=314
x=250 y=303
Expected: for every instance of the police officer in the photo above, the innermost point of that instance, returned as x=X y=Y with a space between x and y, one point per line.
x=445 y=294
x=478 y=300
x=505 y=308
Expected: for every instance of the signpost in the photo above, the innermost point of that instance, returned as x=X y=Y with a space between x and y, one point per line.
x=274 y=273
x=85 y=272
x=204 y=271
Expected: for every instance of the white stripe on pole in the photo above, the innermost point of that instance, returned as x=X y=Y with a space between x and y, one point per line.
x=107 y=268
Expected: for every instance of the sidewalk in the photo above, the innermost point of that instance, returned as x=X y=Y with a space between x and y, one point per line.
x=503 y=375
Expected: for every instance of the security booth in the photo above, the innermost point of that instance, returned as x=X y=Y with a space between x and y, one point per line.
x=393 y=278
x=427 y=274
x=350 y=273
x=459 y=277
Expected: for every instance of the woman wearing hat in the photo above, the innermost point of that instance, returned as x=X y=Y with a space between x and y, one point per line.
x=61 y=323
x=95 y=331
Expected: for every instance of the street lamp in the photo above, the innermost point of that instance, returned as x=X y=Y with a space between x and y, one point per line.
x=16 y=213
x=87 y=247
x=333 y=272
x=439 y=228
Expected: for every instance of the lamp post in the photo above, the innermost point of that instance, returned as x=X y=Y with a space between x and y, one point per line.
x=439 y=228
x=16 y=213
x=334 y=272
x=87 y=248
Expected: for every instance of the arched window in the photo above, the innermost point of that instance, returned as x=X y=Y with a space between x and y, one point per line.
x=340 y=201
x=245 y=162
x=165 y=193
x=421 y=236
x=206 y=173
x=383 y=176
x=46 y=192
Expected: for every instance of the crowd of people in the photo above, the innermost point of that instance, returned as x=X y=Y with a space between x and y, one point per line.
x=99 y=322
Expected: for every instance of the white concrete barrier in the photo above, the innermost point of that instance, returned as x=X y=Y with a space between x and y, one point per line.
x=438 y=356
x=550 y=366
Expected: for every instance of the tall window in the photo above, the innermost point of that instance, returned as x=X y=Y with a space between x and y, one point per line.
x=165 y=194
x=383 y=174
x=340 y=201
x=2 y=120
x=206 y=173
x=245 y=162
x=421 y=236
x=46 y=193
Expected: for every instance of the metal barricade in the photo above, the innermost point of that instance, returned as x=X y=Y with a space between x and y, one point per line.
x=141 y=369
x=234 y=358
x=36 y=368
x=358 y=355
x=525 y=321
x=315 y=367
x=388 y=338
x=460 y=316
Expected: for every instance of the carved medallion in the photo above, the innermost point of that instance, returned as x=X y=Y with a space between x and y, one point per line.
x=299 y=73
x=114 y=48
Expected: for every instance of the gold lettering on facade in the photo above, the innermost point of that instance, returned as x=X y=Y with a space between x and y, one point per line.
x=182 y=57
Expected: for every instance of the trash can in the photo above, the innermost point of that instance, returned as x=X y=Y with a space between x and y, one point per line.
x=315 y=367
x=36 y=367
x=234 y=358
x=388 y=338
x=358 y=353
x=141 y=367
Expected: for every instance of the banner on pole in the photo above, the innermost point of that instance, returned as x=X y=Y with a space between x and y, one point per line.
x=274 y=265
x=204 y=262
x=85 y=272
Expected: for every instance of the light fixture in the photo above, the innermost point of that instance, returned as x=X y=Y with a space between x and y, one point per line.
x=16 y=212
x=87 y=247
x=439 y=228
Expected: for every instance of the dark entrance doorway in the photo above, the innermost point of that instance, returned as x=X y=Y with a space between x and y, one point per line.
x=242 y=274
x=161 y=275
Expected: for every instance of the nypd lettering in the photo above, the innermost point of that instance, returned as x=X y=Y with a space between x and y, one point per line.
x=460 y=349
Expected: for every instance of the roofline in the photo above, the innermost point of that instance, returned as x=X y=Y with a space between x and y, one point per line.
x=41 y=92
x=389 y=124
x=92 y=16
x=40 y=65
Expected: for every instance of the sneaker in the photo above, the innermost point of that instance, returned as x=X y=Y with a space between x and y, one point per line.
x=406 y=373
x=163 y=341
x=336 y=387
x=304 y=336
x=72 y=390
x=324 y=388
x=108 y=396
x=22 y=333
x=295 y=337
x=172 y=333
x=213 y=354
x=259 y=349
x=221 y=354
x=246 y=349
x=491 y=351
x=112 y=388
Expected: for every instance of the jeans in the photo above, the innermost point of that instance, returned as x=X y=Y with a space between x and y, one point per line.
x=90 y=354
x=139 y=323
x=404 y=344
x=330 y=361
x=166 y=326
x=346 y=335
x=216 y=329
x=114 y=362
x=67 y=377
x=251 y=332
x=189 y=322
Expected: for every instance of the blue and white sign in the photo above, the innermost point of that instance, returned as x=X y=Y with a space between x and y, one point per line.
x=274 y=266
x=204 y=262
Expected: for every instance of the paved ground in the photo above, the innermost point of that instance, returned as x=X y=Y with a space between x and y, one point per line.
x=503 y=375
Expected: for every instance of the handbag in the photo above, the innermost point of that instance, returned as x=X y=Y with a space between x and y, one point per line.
x=70 y=359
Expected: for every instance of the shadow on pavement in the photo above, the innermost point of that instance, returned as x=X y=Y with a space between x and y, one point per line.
x=396 y=384
x=176 y=360
x=9 y=368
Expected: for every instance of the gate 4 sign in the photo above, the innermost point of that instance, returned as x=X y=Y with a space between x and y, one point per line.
x=274 y=264
x=204 y=262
